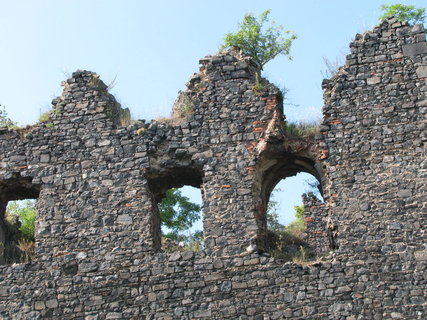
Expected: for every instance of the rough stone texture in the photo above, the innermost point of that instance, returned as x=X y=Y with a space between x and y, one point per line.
x=320 y=231
x=97 y=184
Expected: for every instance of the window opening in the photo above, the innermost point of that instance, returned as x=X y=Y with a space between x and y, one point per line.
x=285 y=217
x=20 y=218
x=177 y=189
x=17 y=219
x=181 y=219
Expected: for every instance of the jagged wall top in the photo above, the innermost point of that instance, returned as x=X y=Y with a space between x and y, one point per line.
x=85 y=94
x=98 y=228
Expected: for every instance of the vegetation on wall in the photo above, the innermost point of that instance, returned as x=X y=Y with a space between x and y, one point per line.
x=300 y=130
x=262 y=43
x=408 y=13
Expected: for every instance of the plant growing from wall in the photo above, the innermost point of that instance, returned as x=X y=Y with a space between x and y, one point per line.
x=408 y=13
x=300 y=130
x=262 y=43
x=259 y=87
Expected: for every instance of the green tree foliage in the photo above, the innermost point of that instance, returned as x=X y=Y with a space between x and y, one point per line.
x=272 y=214
x=258 y=41
x=402 y=12
x=285 y=242
x=297 y=225
x=178 y=214
x=26 y=213
x=5 y=121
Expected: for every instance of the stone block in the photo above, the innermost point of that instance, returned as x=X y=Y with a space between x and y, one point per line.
x=414 y=49
x=422 y=72
x=373 y=80
x=39 y=305
x=420 y=255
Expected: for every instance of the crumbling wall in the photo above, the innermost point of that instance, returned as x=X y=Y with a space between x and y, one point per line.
x=320 y=232
x=98 y=234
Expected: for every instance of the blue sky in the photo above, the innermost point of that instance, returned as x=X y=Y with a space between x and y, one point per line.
x=152 y=47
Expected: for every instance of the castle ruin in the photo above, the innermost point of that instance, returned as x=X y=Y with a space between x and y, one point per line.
x=98 y=182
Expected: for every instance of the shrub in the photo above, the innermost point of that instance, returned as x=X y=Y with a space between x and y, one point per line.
x=300 y=130
x=402 y=12
x=259 y=42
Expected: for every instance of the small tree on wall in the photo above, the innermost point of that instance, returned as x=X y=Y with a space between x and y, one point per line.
x=258 y=41
x=402 y=12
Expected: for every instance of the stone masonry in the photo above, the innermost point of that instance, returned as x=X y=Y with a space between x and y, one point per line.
x=98 y=183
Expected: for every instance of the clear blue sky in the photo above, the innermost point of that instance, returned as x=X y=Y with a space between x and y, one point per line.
x=152 y=47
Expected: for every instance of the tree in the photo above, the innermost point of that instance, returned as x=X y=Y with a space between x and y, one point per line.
x=297 y=225
x=410 y=13
x=26 y=213
x=5 y=121
x=272 y=214
x=261 y=43
x=177 y=214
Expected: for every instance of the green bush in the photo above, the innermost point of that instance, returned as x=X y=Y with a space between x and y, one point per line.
x=258 y=41
x=300 y=130
x=45 y=117
x=402 y=12
x=26 y=213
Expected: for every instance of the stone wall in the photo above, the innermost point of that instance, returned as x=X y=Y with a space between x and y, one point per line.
x=98 y=181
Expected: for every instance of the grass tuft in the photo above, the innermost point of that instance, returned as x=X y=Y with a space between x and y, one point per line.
x=301 y=130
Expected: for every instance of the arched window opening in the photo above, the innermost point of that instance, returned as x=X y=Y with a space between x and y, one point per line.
x=17 y=219
x=287 y=194
x=181 y=219
x=286 y=226
x=283 y=179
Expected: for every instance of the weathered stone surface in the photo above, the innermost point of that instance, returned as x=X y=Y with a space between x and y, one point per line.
x=414 y=49
x=98 y=181
x=422 y=71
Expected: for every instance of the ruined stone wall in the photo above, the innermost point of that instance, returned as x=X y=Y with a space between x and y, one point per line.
x=320 y=230
x=98 y=183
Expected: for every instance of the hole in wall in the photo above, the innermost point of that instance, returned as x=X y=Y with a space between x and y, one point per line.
x=288 y=193
x=283 y=178
x=17 y=219
x=181 y=219
x=285 y=217
x=177 y=194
